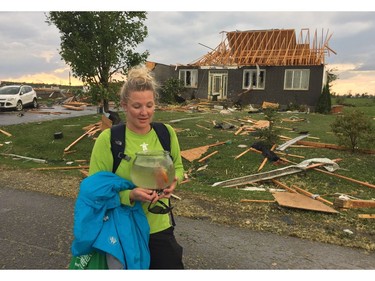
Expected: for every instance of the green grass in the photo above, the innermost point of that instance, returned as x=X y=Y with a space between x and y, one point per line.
x=36 y=140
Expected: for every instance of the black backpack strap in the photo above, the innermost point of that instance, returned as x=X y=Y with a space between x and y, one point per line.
x=118 y=145
x=165 y=140
x=163 y=135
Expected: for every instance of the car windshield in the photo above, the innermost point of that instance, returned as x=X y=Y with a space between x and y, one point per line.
x=9 y=90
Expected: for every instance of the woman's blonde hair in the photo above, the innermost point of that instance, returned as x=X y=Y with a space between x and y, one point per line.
x=139 y=79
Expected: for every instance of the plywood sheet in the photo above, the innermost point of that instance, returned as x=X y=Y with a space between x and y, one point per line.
x=194 y=153
x=300 y=201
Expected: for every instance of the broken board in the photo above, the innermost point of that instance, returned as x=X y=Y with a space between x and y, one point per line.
x=300 y=201
x=194 y=153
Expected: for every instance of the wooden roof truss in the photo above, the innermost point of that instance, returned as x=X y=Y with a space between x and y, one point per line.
x=275 y=47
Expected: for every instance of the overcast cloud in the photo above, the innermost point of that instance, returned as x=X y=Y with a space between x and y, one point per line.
x=29 y=46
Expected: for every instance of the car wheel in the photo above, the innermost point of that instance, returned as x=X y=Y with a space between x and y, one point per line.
x=19 y=106
x=35 y=103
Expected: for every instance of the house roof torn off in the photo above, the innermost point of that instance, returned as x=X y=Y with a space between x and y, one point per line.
x=274 y=47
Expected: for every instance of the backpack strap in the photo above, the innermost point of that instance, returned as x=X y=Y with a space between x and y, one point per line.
x=163 y=135
x=118 y=145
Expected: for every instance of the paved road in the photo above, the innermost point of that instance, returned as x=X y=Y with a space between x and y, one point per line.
x=52 y=113
x=36 y=231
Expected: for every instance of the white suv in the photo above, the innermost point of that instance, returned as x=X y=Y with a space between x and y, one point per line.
x=17 y=96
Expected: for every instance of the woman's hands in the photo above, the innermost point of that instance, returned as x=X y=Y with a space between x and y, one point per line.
x=150 y=195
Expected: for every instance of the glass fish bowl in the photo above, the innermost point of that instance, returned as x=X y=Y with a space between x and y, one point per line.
x=152 y=170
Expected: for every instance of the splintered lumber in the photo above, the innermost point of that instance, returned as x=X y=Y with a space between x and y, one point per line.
x=208 y=156
x=309 y=194
x=353 y=204
x=60 y=168
x=243 y=153
x=265 y=159
x=331 y=146
x=77 y=140
x=300 y=201
x=366 y=216
x=284 y=186
x=346 y=178
x=5 y=133
x=256 y=201
x=106 y=123
x=195 y=153
x=80 y=108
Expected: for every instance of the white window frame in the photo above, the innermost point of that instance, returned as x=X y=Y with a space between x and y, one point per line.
x=189 y=77
x=254 y=78
x=297 y=79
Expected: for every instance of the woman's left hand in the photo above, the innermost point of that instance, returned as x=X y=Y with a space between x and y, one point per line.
x=169 y=190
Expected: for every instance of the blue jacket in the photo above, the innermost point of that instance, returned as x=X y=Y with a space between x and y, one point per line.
x=102 y=223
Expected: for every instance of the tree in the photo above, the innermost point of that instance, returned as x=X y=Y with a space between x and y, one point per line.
x=353 y=128
x=99 y=45
x=324 y=101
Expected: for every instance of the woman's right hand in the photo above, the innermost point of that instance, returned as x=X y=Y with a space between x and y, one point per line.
x=143 y=195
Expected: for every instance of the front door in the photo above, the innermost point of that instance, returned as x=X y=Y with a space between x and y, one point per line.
x=218 y=85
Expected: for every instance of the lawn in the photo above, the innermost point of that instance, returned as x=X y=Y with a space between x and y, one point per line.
x=203 y=126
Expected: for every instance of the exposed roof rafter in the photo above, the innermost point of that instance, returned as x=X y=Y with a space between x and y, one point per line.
x=272 y=47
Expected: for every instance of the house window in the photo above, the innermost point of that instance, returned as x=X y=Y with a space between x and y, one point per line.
x=254 y=78
x=189 y=77
x=296 y=79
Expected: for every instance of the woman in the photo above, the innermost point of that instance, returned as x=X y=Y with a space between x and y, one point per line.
x=138 y=100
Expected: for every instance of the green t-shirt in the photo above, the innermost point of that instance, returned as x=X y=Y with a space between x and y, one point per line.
x=102 y=160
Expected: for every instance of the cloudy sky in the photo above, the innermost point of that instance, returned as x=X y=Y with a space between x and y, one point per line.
x=29 y=46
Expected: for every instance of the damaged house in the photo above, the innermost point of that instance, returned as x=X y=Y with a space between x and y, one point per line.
x=256 y=66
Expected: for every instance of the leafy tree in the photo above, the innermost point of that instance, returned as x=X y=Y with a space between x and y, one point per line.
x=352 y=128
x=170 y=90
x=99 y=45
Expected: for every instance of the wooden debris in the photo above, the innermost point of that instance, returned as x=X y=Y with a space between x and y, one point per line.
x=270 y=105
x=300 y=201
x=106 y=123
x=60 y=168
x=195 y=153
x=243 y=153
x=265 y=159
x=256 y=201
x=366 y=216
x=200 y=126
x=347 y=203
x=331 y=146
x=346 y=178
x=79 y=108
x=5 y=133
x=77 y=140
x=284 y=186
x=208 y=156
x=309 y=194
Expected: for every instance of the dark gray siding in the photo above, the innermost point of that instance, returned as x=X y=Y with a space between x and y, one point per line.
x=274 y=85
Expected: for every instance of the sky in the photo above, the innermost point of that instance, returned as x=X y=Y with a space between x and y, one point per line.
x=29 y=47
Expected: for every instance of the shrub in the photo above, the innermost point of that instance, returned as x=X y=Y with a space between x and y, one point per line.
x=324 y=102
x=171 y=89
x=353 y=128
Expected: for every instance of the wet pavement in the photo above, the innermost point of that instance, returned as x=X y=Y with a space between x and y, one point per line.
x=36 y=233
x=43 y=114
